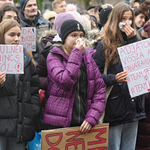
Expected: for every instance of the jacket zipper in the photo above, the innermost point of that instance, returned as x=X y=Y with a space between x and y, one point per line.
x=79 y=96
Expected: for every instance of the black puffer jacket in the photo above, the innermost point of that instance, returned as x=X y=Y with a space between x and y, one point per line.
x=19 y=103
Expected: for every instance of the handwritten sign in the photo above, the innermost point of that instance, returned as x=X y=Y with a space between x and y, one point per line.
x=135 y=59
x=28 y=38
x=11 y=59
x=71 y=138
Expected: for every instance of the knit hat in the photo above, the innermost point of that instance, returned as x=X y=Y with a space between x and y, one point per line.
x=23 y=4
x=104 y=14
x=77 y=16
x=49 y=14
x=90 y=7
x=60 y=18
x=68 y=27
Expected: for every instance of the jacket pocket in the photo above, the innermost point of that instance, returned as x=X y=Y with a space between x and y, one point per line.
x=115 y=107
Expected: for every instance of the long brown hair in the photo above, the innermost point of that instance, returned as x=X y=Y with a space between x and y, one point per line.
x=5 y=26
x=111 y=35
x=9 y=7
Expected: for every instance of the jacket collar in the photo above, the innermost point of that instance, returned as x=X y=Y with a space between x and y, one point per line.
x=28 y=21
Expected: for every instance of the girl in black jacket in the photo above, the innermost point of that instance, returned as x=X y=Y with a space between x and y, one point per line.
x=19 y=98
x=121 y=112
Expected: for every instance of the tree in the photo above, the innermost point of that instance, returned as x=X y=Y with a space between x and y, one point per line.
x=39 y=3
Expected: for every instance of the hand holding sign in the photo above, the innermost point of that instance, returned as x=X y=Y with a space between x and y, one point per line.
x=121 y=77
x=85 y=127
x=2 y=77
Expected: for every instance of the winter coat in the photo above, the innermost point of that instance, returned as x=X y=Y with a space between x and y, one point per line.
x=41 y=26
x=62 y=76
x=143 y=135
x=41 y=67
x=19 y=103
x=120 y=107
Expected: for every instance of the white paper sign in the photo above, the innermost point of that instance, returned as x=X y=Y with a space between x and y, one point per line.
x=135 y=59
x=11 y=59
x=28 y=38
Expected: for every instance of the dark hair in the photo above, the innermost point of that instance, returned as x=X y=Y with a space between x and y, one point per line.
x=98 y=8
x=137 y=11
x=145 y=6
x=84 y=12
x=9 y=7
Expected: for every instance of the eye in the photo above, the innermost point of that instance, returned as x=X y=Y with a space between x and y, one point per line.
x=82 y=36
x=11 y=34
x=74 y=35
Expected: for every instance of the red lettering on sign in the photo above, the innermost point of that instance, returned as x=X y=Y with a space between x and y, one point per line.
x=100 y=140
x=76 y=145
x=51 y=135
x=77 y=133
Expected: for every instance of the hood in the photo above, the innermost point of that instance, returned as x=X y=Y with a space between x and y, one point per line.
x=47 y=33
x=91 y=38
x=28 y=21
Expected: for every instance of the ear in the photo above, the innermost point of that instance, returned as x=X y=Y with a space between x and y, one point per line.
x=55 y=10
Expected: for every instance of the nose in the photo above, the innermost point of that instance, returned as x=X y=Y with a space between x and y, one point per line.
x=143 y=20
x=17 y=38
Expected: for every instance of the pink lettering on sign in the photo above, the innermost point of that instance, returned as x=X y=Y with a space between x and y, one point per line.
x=28 y=38
x=11 y=58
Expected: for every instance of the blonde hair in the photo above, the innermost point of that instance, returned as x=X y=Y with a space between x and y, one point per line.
x=111 y=34
x=107 y=5
x=55 y=2
x=5 y=26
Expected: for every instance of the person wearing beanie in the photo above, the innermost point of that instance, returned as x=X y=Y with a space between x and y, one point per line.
x=104 y=14
x=72 y=73
x=50 y=15
x=91 y=10
x=60 y=18
x=30 y=17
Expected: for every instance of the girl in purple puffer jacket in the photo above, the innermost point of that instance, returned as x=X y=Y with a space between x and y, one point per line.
x=76 y=89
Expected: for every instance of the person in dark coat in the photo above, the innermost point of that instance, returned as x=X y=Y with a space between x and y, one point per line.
x=19 y=98
x=30 y=17
x=122 y=112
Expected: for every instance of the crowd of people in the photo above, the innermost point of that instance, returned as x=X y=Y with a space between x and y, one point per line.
x=65 y=80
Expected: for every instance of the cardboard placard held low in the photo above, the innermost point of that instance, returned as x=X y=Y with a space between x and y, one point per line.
x=71 y=138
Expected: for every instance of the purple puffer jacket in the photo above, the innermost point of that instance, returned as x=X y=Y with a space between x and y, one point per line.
x=62 y=76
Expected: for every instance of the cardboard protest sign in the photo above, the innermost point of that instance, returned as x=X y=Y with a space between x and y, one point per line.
x=135 y=59
x=28 y=38
x=71 y=138
x=11 y=59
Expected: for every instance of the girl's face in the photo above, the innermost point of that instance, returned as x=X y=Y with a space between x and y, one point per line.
x=127 y=15
x=140 y=20
x=12 y=36
x=10 y=15
x=70 y=41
